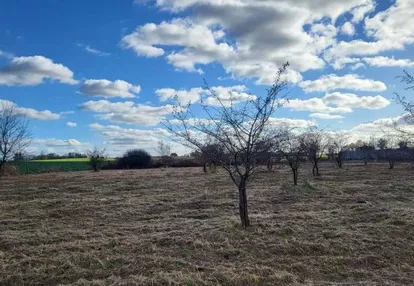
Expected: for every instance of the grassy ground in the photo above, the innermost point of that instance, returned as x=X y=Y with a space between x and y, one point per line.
x=179 y=226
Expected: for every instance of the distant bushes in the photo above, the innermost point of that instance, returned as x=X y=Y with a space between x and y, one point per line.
x=134 y=159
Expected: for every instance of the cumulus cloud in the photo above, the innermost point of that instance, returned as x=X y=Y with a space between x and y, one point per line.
x=388 y=62
x=348 y=29
x=226 y=95
x=290 y=122
x=59 y=146
x=389 y=29
x=106 y=88
x=314 y=105
x=128 y=112
x=349 y=81
x=33 y=71
x=215 y=31
x=325 y=116
x=353 y=101
x=71 y=124
x=30 y=112
x=183 y=96
x=119 y=139
x=336 y=103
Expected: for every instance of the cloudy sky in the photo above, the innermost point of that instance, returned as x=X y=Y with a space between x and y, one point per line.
x=103 y=73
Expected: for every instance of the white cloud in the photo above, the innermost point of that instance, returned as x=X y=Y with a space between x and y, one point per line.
x=389 y=30
x=388 y=62
x=215 y=31
x=6 y=55
x=106 y=88
x=353 y=101
x=325 y=116
x=348 y=29
x=71 y=124
x=183 y=96
x=228 y=95
x=119 y=139
x=30 y=112
x=33 y=71
x=314 y=105
x=336 y=103
x=59 y=146
x=349 y=81
x=128 y=112
x=290 y=122
x=91 y=50
x=360 y=12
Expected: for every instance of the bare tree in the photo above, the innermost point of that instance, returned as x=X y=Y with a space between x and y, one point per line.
x=164 y=150
x=367 y=149
x=14 y=134
x=337 y=147
x=407 y=105
x=382 y=143
x=241 y=130
x=96 y=158
x=291 y=148
x=314 y=143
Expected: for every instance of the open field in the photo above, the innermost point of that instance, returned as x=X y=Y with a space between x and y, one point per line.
x=179 y=226
x=54 y=165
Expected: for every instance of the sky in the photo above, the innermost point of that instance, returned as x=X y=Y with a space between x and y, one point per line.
x=103 y=73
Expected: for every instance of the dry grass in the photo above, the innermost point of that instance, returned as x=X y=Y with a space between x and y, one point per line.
x=179 y=226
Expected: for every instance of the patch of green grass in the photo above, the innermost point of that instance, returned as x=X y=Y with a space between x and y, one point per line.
x=68 y=160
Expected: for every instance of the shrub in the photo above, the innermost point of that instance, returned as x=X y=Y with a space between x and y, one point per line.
x=96 y=159
x=135 y=159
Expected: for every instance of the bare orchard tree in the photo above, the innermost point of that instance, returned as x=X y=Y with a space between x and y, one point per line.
x=314 y=144
x=338 y=146
x=241 y=130
x=407 y=105
x=14 y=134
x=291 y=148
x=164 y=150
x=96 y=158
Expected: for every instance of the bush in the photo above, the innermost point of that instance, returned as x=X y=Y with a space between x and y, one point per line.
x=135 y=159
x=96 y=159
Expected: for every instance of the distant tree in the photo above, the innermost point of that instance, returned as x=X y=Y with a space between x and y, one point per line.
x=313 y=143
x=241 y=130
x=19 y=156
x=135 y=159
x=164 y=150
x=367 y=149
x=403 y=144
x=291 y=148
x=96 y=158
x=173 y=155
x=382 y=143
x=338 y=146
x=14 y=134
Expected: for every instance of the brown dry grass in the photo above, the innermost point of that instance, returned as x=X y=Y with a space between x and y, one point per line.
x=179 y=226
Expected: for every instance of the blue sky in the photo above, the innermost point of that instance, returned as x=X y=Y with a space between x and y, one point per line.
x=110 y=67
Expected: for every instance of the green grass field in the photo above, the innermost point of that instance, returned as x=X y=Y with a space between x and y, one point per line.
x=54 y=165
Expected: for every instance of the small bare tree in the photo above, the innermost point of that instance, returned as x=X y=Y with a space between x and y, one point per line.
x=291 y=149
x=96 y=158
x=14 y=134
x=313 y=144
x=337 y=147
x=164 y=150
x=241 y=130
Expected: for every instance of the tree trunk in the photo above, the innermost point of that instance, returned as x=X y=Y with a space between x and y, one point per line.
x=295 y=177
x=205 y=167
x=243 y=209
x=315 y=170
x=269 y=165
x=366 y=161
x=391 y=162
